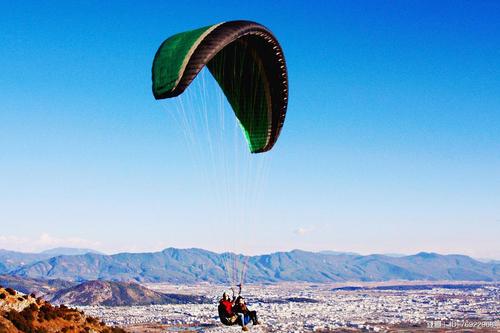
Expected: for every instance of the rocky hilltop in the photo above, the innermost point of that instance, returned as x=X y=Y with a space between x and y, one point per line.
x=21 y=313
x=39 y=287
x=118 y=294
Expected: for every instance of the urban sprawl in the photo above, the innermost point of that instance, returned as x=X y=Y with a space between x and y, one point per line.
x=322 y=308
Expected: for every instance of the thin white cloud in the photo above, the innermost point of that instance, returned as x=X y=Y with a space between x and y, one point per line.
x=43 y=242
x=303 y=230
x=12 y=242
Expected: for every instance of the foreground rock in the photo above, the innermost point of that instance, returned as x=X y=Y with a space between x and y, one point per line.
x=25 y=313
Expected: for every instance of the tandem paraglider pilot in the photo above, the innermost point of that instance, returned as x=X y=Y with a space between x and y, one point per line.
x=248 y=63
x=236 y=312
x=226 y=315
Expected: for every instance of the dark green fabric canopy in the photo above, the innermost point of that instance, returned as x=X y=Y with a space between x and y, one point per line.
x=247 y=62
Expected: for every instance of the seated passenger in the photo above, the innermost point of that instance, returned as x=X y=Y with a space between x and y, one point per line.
x=244 y=314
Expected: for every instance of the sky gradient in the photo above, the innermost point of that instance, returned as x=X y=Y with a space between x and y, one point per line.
x=391 y=141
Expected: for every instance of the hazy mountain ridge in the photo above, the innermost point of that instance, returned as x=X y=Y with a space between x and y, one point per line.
x=10 y=260
x=195 y=265
x=68 y=251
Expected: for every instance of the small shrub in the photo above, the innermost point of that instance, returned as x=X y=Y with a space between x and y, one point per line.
x=68 y=317
x=19 y=321
x=48 y=312
x=11 y=291
x=27 y=314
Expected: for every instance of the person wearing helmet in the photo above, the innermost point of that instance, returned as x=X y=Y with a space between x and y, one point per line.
x=225 y=309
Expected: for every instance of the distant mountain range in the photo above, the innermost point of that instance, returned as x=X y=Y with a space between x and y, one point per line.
x=68 y=251
x=12 y=259
x=196 y=265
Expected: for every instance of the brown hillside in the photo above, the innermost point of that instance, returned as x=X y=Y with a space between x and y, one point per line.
x=113 y=293
x=27 y=314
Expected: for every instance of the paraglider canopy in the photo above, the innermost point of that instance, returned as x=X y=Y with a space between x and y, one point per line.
x=248 y=63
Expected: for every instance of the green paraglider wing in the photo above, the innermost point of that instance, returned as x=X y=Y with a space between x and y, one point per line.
x=247 y=62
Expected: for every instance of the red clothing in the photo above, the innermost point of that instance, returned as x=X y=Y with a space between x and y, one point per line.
x=228 y=306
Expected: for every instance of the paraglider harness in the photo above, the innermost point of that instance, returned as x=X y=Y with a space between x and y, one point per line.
x=228 y=318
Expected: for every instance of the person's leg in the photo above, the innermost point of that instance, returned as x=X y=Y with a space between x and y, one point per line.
x=225 y=320
x=253 y=316
x=241 y=319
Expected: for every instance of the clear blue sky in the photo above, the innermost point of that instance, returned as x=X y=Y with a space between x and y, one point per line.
x=391 y=142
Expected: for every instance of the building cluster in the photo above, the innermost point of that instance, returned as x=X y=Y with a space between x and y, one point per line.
x=302 y=308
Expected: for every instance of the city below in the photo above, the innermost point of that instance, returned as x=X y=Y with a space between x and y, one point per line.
x=340 y=307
